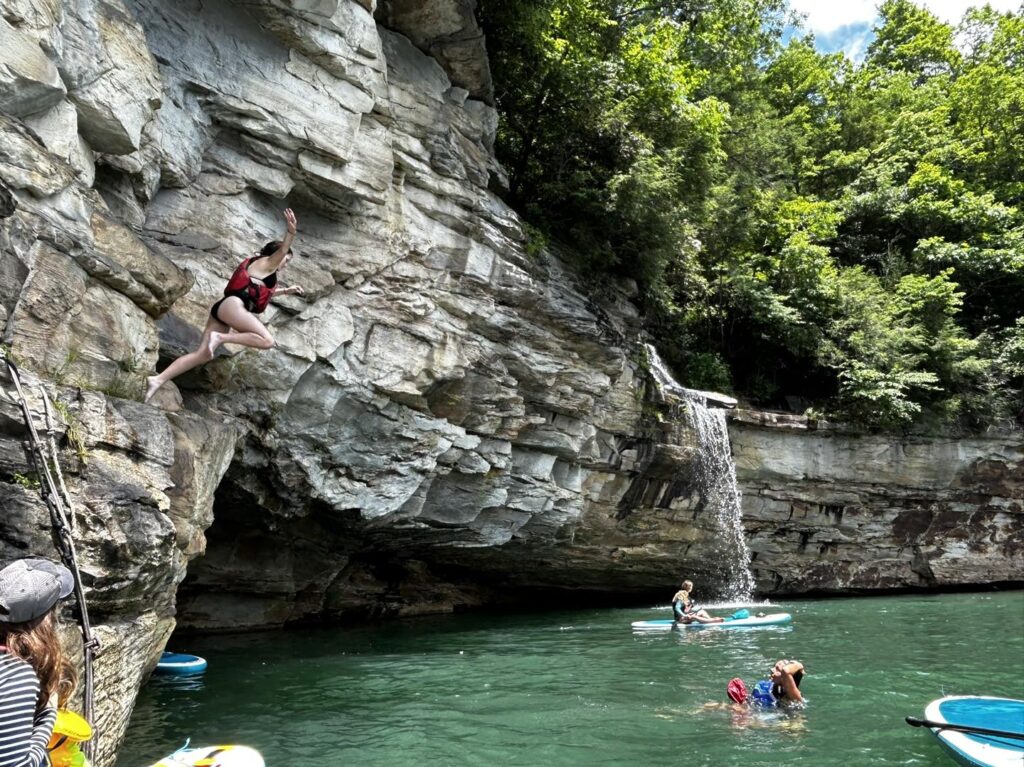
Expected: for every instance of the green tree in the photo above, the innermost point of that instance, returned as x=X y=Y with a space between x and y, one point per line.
x=911 y=39
x=804 y=229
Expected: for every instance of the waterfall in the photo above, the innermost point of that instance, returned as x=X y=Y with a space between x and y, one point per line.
x=716 y=476
x=662 y=378
x=717 y=479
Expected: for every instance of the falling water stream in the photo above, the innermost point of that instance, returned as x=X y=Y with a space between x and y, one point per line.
x=716 y=478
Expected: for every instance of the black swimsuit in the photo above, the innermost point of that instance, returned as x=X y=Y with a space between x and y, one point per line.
x=270 y=281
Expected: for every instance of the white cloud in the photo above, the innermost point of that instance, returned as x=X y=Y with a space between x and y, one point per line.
x=825 y=16
x=852 y=40
x=857 y=46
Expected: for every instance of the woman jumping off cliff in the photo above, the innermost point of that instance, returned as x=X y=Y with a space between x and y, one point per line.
x=232 y=319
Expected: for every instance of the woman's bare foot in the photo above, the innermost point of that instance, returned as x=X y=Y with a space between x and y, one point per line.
x=152 y=384
x=214 y=342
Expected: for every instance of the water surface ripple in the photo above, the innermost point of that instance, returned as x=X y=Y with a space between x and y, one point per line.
x=573 y=688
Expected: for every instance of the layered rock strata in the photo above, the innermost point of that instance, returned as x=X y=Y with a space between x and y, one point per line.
x=447 y=420
x=833 y=509
x=141 y=483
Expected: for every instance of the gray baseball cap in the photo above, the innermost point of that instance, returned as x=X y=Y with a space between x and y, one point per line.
x=30 y=587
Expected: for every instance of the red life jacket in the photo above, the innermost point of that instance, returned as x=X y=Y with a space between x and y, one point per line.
x=255 y=295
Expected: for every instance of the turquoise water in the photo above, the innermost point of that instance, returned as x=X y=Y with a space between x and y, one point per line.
x=578 y=687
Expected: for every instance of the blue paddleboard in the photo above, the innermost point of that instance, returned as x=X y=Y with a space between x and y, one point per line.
x=975 y=749
x=775 y=619
x=180 y=664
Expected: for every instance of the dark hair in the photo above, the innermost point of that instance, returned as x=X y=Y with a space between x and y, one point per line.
x=780 y=692
x=271 y=248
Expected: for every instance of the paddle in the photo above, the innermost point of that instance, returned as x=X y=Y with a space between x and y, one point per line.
x=915 y=722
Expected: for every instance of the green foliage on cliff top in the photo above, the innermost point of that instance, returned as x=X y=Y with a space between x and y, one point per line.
x=805 y=229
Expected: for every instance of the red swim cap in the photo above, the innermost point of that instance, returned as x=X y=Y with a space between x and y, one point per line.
x=737 y=691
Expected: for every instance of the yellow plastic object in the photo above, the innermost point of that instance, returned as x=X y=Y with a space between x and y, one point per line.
x=69 y=731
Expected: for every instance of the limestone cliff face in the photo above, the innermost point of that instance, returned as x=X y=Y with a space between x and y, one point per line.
x=142 y=484
x=828 y=508
x=446 y=421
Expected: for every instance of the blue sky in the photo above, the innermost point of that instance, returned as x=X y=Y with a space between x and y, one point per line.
x=845 y=25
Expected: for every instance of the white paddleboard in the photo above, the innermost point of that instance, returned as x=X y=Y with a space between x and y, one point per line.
x=977 y=750
x=213 y=756
x=775 y=619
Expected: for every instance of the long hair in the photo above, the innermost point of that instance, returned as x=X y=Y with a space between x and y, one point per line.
x=271 y=248
x=38 y=643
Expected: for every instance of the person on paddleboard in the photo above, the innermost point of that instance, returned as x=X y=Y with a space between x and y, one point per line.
x=36 y=676
x=686 y=610
x=782 y=688
x=233 y=318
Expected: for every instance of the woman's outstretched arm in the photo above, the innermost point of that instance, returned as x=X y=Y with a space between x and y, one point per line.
x=275 y=259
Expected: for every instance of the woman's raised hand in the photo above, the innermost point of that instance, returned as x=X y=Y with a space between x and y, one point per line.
x=289 y=216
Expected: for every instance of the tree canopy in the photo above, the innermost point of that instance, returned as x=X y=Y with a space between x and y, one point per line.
x=807 y=231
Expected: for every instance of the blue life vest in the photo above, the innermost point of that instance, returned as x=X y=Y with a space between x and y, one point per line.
x=761 y=694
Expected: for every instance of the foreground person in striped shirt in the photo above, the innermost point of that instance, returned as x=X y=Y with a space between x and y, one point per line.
x=35 y=674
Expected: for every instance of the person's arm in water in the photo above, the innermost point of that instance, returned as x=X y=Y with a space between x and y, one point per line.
x=782 y=675
x=274 y=259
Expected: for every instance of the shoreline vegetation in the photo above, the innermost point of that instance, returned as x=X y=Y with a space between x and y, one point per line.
x=808 y=233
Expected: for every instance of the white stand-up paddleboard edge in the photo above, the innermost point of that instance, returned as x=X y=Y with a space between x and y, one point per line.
x=965 y=747
x=222 y=756
x=775 y=619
